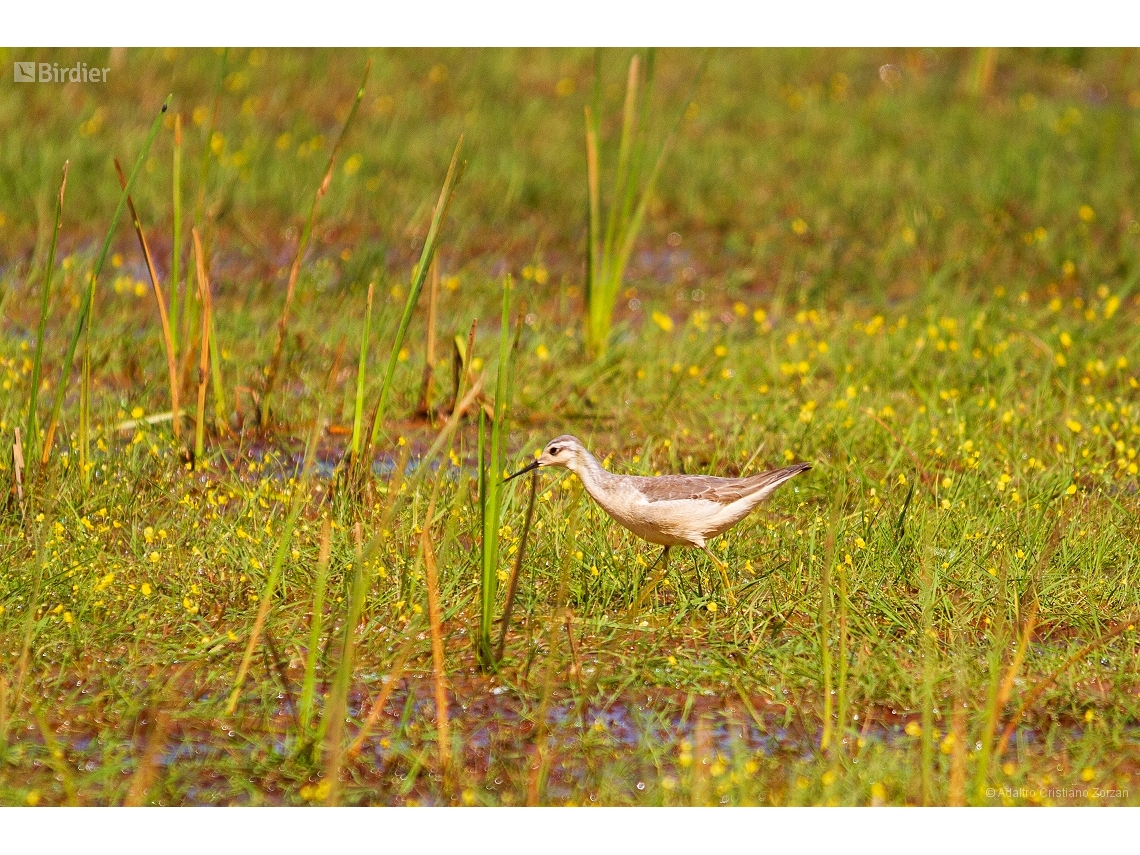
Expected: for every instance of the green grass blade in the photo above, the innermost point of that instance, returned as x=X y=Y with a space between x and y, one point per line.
x=297 y=505
x=493 y=487
x=309 y=681
x=358 y=409
x=625 y=148
x=81 y=323
x=331 y=731
x=176 y=236
x=454 y=172
x=216 y=380
x=31 y=432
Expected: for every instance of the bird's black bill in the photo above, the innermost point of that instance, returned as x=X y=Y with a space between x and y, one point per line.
x=531 y=467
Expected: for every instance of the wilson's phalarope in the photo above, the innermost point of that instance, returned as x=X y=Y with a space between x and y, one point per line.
x=669 y=510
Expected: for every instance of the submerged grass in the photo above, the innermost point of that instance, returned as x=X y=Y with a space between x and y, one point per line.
x=885 y=285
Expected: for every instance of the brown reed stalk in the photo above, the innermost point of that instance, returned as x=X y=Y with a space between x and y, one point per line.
x=1128 y=623
x=167 y=335
x=18 y=468
x=144 y=775
x=435 y=617
x=429 y=356
x=204 y=358
x=308 y=682
x=957 y=794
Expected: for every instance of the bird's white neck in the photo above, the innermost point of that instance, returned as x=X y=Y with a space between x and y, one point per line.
x=594 y=478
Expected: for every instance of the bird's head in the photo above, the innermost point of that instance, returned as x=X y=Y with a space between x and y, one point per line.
x=565 y=451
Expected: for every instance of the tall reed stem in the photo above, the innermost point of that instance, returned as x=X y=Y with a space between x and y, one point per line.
x=167 y=334
x=204 y=356
x=454 y=173
x=31 y=432
x=308 y=683
x=176 y=236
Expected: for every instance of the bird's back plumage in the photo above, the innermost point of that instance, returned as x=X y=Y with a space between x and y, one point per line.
x=724 y=491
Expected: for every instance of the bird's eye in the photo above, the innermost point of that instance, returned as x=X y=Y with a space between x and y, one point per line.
x=554 y=451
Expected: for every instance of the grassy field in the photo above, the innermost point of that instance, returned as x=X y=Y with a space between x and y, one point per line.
x=916 y=270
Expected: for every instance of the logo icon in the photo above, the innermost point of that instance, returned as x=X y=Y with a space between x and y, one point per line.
x=24 y=72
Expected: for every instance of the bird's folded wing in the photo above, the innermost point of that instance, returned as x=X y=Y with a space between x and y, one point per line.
x=724 y=491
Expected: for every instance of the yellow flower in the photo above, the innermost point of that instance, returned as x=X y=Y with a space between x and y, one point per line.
x=878 y=792
x=542 y=353
x=145 y=589
x=759 y=316
x=712 y=607
x=914 y=729
x=1086 y=213
x=799 y=226
x=1074 y=425
x=947 y=744
x=1087 y=774
x=663 y=321
x=1071 y=489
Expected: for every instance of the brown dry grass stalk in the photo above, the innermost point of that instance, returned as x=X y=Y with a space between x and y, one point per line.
x=204 y=358
x=144 y=776
x=18 y=468
x=3 y=709
x=957 y=794
x=167 y=337
x=575 y=665
x=540 y=754
x=435 y=617
x=1124 y=626
x=426 y=393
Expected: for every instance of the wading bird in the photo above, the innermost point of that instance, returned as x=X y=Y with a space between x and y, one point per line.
x=669 y=510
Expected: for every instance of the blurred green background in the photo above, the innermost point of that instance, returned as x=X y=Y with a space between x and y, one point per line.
x=889 y=163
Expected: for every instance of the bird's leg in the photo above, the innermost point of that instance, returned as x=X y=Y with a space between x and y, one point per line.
x=723 y=574
x=648 y=589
